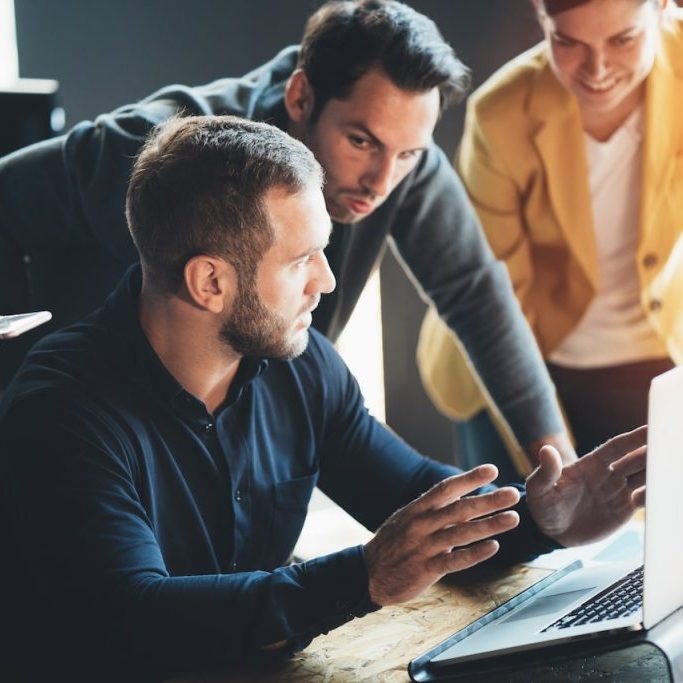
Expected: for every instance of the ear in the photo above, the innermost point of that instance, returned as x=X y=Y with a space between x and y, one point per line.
x=299 y=97
x=211 y=282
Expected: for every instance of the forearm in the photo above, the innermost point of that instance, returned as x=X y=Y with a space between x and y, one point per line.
x=212 y=620
x=440 y=238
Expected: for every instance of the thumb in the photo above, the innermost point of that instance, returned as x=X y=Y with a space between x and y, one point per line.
x=544 y=477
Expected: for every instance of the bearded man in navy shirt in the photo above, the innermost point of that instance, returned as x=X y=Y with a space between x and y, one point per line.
x=158 y=457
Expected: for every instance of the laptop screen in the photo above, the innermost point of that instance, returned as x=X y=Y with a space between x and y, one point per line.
x=663 y=585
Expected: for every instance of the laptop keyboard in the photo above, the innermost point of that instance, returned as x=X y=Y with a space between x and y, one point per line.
x=621 y=599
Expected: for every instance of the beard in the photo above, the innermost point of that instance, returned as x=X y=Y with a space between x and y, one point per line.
x=255 y=331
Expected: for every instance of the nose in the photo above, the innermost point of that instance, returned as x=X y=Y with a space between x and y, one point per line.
x=595 y=64
x=323 y=280
x=379 y=177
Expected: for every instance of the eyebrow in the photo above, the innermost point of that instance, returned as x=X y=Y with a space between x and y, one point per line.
x=312 y=250
x=361 y=127
x=564 y=36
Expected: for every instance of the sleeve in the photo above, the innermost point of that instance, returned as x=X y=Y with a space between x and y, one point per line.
x=439 y=238
x=88 y=556
x=370 y=472
x=497 y=201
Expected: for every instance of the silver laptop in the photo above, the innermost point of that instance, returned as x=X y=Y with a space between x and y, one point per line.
x=587 y=601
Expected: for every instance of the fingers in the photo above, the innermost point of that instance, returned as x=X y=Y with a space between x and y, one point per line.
x=631 y=463
x=638 y=497
x=473 y=531
x=545 y=476
x=404 y=556
x=620 y=445
x=470 y=507
x=451 y=489
x=463 y=558
x=626 y=474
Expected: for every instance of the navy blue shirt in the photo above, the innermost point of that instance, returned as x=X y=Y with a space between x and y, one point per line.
x=154 y=535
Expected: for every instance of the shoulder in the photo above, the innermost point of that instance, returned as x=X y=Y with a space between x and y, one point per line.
x=66 y=369
x=672 y=39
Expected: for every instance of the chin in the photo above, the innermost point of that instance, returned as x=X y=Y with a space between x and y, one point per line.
x=300 y=346
x=341 y=214
x=296 y=346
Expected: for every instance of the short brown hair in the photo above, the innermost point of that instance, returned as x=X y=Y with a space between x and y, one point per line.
x=197 y=187
x=345 y=39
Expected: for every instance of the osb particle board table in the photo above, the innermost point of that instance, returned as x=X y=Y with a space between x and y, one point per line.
x=379 y=646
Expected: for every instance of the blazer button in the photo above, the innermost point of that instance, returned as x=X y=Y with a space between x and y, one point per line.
x=650 y=260
x=655 y=305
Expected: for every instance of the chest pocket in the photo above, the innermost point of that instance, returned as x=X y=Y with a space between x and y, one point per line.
x=290 y=504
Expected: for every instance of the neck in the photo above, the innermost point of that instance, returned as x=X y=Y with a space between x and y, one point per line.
x=602 y=125
x=187 y=343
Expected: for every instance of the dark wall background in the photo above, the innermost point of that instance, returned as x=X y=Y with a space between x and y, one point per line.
x=109 y=52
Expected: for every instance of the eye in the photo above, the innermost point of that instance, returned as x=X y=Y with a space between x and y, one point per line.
x=410 y=155
x=563 y=42
x=304 y=261
x=621 y=41
x=360 y=142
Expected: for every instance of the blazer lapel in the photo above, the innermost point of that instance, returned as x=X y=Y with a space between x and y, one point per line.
x=663 y=135
x=559 y=141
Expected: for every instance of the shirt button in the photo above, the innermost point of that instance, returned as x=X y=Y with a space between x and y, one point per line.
x=655 y=305
x=238 y=495
x=650 y=260
x=208 y=428
x=234 y=566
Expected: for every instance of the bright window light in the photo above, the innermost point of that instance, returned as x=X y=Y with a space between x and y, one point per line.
x=360 y=345
x=9 y=64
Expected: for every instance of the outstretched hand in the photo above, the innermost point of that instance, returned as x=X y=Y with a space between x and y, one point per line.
x=590 y=498
x=443 y=531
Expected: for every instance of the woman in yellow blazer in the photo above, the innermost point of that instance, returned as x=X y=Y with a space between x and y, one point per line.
x=573 y=157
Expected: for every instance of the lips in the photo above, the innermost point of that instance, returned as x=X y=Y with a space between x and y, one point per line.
x=305 y=318
x=598 y=88
x=361 y=206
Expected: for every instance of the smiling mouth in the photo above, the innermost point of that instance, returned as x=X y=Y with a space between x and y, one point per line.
x=598 y=88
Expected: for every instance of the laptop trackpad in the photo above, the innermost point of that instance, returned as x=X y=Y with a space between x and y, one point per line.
x=548 y=604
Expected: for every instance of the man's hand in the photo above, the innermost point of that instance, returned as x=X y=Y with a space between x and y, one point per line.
x=560 y=441
x=439 y=533
x=592 y=497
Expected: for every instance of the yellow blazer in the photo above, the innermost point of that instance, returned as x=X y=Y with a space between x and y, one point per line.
x=522 y=160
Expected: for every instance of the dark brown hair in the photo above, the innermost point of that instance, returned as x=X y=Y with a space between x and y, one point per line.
x=197 y=187
x=346 y=38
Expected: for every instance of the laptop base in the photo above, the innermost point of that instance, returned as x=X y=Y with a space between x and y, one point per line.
x=654 y=655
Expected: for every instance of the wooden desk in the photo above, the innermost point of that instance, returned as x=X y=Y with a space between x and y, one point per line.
x=379 y=646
